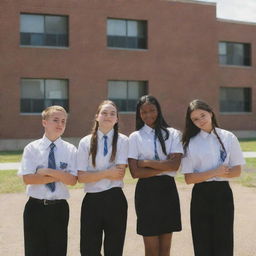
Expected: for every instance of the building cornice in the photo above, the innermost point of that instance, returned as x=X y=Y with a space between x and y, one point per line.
x=237 y=22
x=193 y=2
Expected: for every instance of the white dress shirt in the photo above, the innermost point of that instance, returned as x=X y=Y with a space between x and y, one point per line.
x=203 y=152
x=35 y=156
x=84 y=160
x=141 y=145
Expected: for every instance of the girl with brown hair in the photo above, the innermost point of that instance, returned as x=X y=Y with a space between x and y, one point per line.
x=212 y=156
x=101 y=163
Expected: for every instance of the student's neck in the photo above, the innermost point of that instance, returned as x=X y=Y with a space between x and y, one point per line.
x=105 y=130
x=51 y=137
x=208 y=131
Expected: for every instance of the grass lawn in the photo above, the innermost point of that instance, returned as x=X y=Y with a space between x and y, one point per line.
x=248 y=144
x=11 y=183
x=15 y=156
x=10 y=156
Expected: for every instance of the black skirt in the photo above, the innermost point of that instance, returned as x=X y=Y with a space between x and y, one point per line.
x=157 y=206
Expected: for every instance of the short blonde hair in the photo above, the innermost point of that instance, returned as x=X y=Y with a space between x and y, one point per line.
x=50 y=110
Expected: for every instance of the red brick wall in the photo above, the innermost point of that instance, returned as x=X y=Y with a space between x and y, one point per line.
x=180 y=64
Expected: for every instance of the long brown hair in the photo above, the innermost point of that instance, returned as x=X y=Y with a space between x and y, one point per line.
x=191 y=129
x=94 y=138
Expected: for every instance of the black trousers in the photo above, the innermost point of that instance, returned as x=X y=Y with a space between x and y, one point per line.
x=103 y=212
x=45 y=228
x=212 y=218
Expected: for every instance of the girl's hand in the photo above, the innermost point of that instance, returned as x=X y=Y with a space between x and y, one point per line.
x=223 y=171
x=115 y=173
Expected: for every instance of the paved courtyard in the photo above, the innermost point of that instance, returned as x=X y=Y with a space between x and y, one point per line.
x=11 y=236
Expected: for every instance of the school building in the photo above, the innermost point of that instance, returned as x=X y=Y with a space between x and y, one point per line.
x=76 y=53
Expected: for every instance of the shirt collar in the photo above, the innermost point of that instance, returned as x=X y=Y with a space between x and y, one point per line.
x=109 y=134
x=46 y=142
x=206 y=134
x=148 y=129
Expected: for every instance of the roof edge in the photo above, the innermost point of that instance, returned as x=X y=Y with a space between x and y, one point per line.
x=237 y=21
x=193 y=2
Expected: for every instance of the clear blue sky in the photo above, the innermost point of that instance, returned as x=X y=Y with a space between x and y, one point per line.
x=242 y=10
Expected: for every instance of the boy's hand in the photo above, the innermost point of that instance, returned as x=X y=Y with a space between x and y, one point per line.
x=43 y=171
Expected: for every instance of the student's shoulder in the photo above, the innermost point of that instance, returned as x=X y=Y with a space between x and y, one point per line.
x=86 y=140
x=225 y=133
x=122 y=136
x=68 y=145
x=173 y=131
x=33 y=145
x=135 y=134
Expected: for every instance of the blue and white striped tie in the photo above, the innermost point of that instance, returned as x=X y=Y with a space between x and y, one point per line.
x=52 y=165
x=105 y=145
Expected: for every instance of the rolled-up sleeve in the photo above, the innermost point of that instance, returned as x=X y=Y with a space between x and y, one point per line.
x=187 y=164
x=73 y=168
x=133 y=149
x=176 y=145
x=235 y=153
x=122 y=150
x=28 y=162
x=82 y=155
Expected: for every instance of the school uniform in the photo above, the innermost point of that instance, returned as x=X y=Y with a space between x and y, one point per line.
x=104 y=207
x=156 y=198
x=46 y=213
x=212 y=206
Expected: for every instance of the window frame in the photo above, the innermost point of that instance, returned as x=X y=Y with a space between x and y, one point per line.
x=250 y=101
x=44 y=34
x=246 y=58
x=126 y=37
x=146 y=88
x=44 y=99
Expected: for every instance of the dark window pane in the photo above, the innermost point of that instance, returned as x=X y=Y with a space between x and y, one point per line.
x=32 y=105
x=60 y=102
x=62 y=40
x=25 y=38
x=235 y=100
x=132 y=42
x=121 y=104
x=142 y=43
x=37 y=39
x=131 y=105
x=50 y=39
x=247 y=55
x=117 y=41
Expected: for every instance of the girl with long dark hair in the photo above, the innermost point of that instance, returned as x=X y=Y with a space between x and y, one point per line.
x=101 y=162
x=155 y=153
x=212 y=156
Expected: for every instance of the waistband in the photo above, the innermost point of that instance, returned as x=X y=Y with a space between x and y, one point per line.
x=46 y=202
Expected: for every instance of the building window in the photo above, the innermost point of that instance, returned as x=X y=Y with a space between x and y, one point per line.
x=127 y=34
x=38 y=94
x=43 y=30
x=126 y=93
x=235 y=54
x=235 y=99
